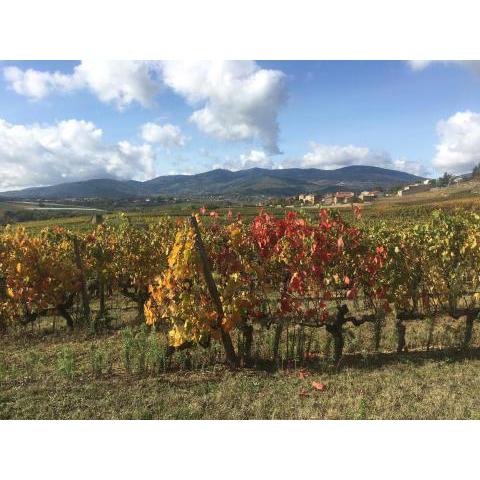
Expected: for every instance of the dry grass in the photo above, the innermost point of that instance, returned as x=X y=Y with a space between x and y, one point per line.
x=440 y=384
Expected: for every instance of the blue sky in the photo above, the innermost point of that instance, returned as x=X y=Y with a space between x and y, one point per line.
x=65 y=121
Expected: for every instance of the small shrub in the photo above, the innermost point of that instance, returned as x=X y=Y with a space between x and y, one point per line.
x=98 y=361
x=156 y=354
x=128 y=345
x=362 y=410
x=66 y=363
x=141 y=349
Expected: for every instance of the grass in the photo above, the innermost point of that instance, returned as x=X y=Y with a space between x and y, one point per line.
x=85 y=377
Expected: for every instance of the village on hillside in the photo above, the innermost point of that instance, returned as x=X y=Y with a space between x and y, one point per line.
x=348 y=197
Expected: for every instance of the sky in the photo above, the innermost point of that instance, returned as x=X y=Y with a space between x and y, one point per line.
x=64 y=121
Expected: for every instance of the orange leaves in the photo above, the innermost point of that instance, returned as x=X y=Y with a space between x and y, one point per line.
x=318 y=386
x=39 y=270
x=302 y=374
x=262 y=268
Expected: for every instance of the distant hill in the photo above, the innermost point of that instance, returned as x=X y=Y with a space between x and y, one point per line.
x=251 y=182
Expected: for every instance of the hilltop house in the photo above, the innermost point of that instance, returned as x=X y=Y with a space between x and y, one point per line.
x=367 y=196
x=309 y=198
x=328 y=199
x=412 y=189
x=343 y=197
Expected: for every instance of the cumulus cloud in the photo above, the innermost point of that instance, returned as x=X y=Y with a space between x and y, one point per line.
x=459 y=147
x=167 y=135
x=233 y=100
x=238 y=100
x=255 y=158
x=120 y=82
x=330 y=157
x=36 y=84
x=251 y=159
x=117 y=82
x=69 y=150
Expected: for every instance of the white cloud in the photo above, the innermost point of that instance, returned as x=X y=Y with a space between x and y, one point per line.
x=69 y=150
x=238 y=99
x=233 y=100
x=459 y=147
x=251 y=159
x=330 y=157
x=120 y=82
x=418 y=65
x=117 y=82
x=167 y=135
x=255 y=158
x=36 y=84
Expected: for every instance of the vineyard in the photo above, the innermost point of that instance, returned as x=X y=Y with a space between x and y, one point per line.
x=220 y=279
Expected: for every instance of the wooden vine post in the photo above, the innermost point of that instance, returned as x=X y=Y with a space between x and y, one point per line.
x=335 y=329
x=231 y=356
x=101 y=293
x=83 y=283
x=101 y=283
x=3 y=295
x=469 y=320
x=377 y=330
x=276 y=342
x=401 y=330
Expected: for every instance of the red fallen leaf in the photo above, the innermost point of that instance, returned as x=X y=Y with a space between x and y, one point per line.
x=352 y=293
x=340 y=243
x=346 y=280
x=302 y=374
x=318 y=386
x=303 y=393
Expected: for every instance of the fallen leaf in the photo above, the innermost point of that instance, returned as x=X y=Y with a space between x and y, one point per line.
x=302 y=374
x=303 y=393
x=318 y=386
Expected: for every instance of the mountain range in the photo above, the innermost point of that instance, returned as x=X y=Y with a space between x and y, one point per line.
x=251 y=182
